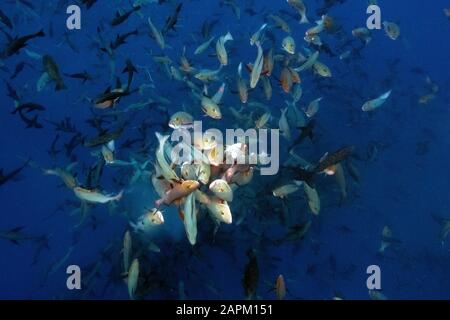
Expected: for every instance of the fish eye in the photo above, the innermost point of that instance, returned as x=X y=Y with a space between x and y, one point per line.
x=222 y=213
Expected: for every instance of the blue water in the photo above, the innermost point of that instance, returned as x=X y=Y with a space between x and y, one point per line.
x=403 y=186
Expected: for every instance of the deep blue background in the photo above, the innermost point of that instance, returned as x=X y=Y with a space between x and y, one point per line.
x=400 y=189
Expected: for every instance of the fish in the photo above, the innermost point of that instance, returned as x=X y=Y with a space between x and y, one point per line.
x=190 y=218
x=92 y=196
x=221 y=189
x=64 y=174
x=5 y=20
x=280 y=23
x=234 y=7
x=280 y=287
x=210 y=106
x=256 y=37
x=242 y=86
x=132 y=280
x=268 y=63
x=207 y=75
x=83 y=76
x=340 y=178
x=288 y=45
x=222 y=54
x=283 y=125
x=376 y=103
x=28 y=107
x=181 y=120
x=157 y=35
x=147 y=221
x=172 y=20
x=257 y=67
x=219 y=210
x=121 y=39
x=297 y=232
x=89 y=3
x=15 y=235
x=301 y=9
x=166 y=170
x=51 y=68
x=263 y=120
x=178 y=191
x=312 y=108
x=204 y=46
x=267 y=88
x=126 y=251
x=309 y=63
x=305 y=132
x=328 y=160
x=321 y=69
x=313 y=198
x=109 y=98
x=18 y=43
x=121 y=18
x=42 y=82
x=31 y=123
x=285 y=190
x=318 y=28
x=18 y=69
x=251 y=275
x=297 y=93
x=363 y=34
x=286 y=79
x=392 y=30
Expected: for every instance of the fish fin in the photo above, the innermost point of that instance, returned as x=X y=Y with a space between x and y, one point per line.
x=17 y=229
x=14 y=241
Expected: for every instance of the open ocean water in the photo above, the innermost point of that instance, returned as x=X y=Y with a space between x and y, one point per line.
x=95 y=206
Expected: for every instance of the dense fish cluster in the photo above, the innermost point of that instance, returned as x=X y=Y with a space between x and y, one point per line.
x=108 y=98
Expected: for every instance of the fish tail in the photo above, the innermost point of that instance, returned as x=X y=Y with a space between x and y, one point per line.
x=41 y=33
x=304 y=19
x=119 y=196
x=228 y=37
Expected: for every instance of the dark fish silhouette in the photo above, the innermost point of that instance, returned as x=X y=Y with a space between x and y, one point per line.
x=88 y=3
x=172 y=20
x=4 y=178
x=83 y=76
x=5 y=20
x=15 y=44
x=251 y=275
x=306 y=132
x=328 y=160
x=130 y=69
x=31 y=123
x=52 y=70
x=121 y=39
x=121 y=18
